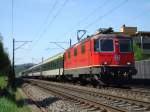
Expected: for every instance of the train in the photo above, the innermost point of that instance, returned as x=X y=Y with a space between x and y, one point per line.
x=102 y=58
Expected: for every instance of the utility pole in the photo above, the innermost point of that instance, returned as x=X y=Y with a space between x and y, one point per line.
x=41 y=66
x=12 y=76
x=13 y=60
x=13 y=65
x=141 y=37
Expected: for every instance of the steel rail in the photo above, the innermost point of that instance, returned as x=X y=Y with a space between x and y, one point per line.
x=90 y=92
x=76 y=97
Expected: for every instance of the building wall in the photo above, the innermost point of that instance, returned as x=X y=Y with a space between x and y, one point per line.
x=128 y=30
x=143 y=68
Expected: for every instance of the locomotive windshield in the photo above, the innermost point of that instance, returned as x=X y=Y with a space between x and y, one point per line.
x=125 y=45
x=103 y=45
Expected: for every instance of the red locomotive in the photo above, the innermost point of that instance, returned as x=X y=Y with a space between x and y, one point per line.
x=101 y=58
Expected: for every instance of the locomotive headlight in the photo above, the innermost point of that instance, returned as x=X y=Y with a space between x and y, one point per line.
x=105 y=63
x=128 y=63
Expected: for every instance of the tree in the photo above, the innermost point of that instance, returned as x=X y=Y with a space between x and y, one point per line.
x=137 y=52
x=5 y=64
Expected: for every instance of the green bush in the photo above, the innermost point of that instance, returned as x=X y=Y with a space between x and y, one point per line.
x=7 y=105
x=137 y=53
x=3 y=82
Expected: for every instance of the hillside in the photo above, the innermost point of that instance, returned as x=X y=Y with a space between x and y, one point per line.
x=19 y=68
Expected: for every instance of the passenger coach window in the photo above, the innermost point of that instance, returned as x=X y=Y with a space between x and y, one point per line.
x=106 y=45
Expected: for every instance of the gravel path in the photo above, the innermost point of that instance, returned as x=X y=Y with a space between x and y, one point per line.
x=52 y=103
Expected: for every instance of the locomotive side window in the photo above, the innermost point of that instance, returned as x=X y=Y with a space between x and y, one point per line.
x=106 y=45
x=96 y=45
x=125 y=45
x=75 y=51
x=82 y=48
x=69 y=54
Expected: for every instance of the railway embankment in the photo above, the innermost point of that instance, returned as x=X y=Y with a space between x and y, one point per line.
x=45 y=96
x=108 y=99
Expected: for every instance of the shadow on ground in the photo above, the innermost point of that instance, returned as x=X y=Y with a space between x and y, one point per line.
x=43 y=103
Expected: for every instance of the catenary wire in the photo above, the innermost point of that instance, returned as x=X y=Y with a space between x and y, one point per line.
x=46 y=19
x=106 y=14
x=88 y=16
x=140 y=15
x=50 y=23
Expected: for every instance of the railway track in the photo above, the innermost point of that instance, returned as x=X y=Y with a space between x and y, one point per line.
x=79 y=99
x=141 y=90
x=95 y=97
x=140 y=94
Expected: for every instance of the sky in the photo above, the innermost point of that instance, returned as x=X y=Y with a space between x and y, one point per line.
x=46 y=21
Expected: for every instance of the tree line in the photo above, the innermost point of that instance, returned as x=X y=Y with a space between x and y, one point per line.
x=5 y=64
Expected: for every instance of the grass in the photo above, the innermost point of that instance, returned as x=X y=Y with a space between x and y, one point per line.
x=7 y=105
x=11 y=100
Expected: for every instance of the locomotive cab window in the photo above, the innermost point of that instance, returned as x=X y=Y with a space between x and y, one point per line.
x=125 y=45
x=106 y=45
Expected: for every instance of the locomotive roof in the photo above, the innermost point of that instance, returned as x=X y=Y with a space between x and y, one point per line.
x=114 y=35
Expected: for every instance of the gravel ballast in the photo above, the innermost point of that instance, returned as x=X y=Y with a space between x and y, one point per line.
x=51 y=103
